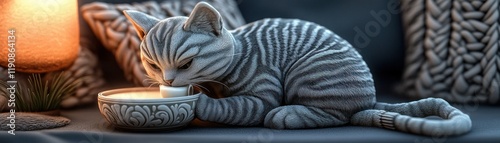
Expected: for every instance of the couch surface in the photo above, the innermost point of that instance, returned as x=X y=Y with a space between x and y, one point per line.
x=88 y=126
x=383 y=51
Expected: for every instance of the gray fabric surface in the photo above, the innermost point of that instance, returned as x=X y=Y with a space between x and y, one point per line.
x=88 y=126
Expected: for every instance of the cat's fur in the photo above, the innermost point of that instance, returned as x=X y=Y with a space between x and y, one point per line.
x=281 y=73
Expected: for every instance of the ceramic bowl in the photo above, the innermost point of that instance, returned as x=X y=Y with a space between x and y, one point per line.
x=143 y=108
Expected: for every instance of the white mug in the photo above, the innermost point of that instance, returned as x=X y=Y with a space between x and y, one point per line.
x=170 y=91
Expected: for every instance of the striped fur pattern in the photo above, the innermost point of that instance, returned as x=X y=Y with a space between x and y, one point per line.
x=280 y=73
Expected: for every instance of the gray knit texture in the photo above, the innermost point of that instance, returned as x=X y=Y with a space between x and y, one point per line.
x=452 y=50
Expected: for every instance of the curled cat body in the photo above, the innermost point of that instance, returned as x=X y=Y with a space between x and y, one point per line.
x=280 y=73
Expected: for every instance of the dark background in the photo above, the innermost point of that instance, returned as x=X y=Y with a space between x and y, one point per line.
x=383 y=51
x=382 y=45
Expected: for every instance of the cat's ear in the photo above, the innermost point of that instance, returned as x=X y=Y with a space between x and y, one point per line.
x=141 y=21
x=204 y=18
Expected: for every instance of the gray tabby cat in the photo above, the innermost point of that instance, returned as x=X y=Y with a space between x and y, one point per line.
x=281 y=73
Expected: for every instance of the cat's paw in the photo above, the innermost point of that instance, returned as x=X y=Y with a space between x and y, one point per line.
x=201 y=106
x=283 y=117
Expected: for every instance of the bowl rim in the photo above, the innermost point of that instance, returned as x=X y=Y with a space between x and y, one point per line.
x=102 y=96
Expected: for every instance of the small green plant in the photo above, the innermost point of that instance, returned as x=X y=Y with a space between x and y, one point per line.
x=40 y=94
x=3 y=88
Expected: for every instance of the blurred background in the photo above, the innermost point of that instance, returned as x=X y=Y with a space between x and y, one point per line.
x=364 y=23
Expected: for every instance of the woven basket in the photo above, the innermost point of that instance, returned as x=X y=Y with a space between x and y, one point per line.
x=452 y=50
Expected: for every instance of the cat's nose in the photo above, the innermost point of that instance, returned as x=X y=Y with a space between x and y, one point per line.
x=168 y=75
x=168 y=82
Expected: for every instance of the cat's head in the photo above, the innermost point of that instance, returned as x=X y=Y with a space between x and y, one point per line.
x=179 y=51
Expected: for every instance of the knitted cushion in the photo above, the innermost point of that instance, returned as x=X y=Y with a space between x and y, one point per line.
x=452 y=50
x=118 y=35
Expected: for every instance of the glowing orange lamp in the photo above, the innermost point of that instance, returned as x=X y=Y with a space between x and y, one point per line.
x=38 y=36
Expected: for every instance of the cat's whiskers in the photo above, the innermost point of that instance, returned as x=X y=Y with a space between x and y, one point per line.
x=218 y=82
x=168 y=83
x=200 y=86
x=155 y=83
x=151 y=81
x=149 y=78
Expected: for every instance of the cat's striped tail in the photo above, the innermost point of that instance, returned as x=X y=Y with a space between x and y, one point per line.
x=408 y=117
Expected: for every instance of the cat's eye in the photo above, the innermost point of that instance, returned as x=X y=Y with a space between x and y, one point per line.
x=187 y=65
x=154 y=66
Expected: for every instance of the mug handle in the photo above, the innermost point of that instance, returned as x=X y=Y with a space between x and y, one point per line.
x=190 y=90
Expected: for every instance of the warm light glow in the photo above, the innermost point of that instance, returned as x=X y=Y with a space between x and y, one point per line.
x=153 y=93
x=46 y=33
x=136 y=95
